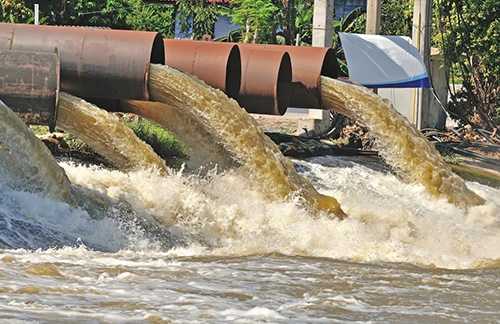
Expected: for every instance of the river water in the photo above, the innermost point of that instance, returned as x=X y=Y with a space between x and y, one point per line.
x=259 y=241
x=183 y=248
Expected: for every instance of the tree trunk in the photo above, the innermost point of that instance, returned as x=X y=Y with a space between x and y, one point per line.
x=62 y=12
x=247 y=31
x=289 y=22
x=255 y=36
x=274 y=40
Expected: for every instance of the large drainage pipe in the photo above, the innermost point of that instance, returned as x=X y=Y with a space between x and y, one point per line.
x=29 y=85
x=265 y=81
x=308 y=64
x=95 y=63
x=218 y=64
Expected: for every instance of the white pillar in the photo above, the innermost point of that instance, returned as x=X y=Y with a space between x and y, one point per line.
x=322 y=36
x=373 y=13
x=422 y=28
x=37 y=14
x=322 y=30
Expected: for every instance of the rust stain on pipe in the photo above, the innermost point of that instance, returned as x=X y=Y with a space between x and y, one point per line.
x=308 y=64
x=29 y=85
x=265 y=81
x=217 y=64
x=99 y=63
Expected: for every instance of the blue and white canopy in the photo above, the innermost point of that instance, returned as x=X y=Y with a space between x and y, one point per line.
x=377 y=61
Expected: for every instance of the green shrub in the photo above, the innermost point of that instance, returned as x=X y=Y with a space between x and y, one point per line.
x=449 y=156
x=76 y=144
x=161 y=140
x=39 y=130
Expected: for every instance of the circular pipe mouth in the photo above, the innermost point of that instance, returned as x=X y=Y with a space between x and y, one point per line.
x=30 y=85
x=217 y=64
x=329 y=68
x=284 y=82
x=157 y=57
x=158 y=50
x=233 y=73
x=308 y=64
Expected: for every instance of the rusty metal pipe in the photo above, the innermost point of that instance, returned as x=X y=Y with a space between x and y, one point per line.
x=265 y=81
x=95 y=63
x=29 y=85
x=218 y=64
x=308 y=64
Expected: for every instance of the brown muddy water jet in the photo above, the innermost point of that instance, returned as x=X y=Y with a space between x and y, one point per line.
x=238 y=132
x=28 y=162
x=104 y=132
x=203 y=150
x=400 y=143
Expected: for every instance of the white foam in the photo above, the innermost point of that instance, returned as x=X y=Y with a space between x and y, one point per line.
x=223 y=215
x=388 y=220
x=255 y=313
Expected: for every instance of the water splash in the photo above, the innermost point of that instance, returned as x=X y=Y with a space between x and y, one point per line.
x=26 y=163
x=388 y=220
x=238 y=132
x=399 y=142
x=105 y=133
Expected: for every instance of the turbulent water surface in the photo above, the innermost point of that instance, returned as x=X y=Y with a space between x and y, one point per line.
x=232 y=127
x=400 y=256
x=240 y=244
x=399 y=141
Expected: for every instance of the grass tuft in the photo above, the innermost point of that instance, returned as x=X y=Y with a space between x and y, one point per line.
x=161 y=140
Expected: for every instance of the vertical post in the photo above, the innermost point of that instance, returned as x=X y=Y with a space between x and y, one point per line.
x=322 y=23
x=318 y=121
x=37 y=14
x=421 y=35
x=373 y=13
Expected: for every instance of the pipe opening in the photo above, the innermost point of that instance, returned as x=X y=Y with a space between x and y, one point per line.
x=284 y=89
x=330 y=65
x=158 y=50
x=233 y=73
x=30 y=85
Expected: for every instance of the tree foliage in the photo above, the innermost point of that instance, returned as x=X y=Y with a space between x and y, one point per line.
x=15 y=12
x=396 y=17
x=154 y=17
x=468 y=33
x=256 y=16
x=119 y=14
x=272 y=21
x=198 y=16
x=354 y=22
x=303 y=21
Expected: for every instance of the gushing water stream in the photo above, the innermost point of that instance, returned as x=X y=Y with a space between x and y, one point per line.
x=399 y=142
x=238 y=132
x=204 y=150
x=106 y=134
x=27 y=162
x=400 y=256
